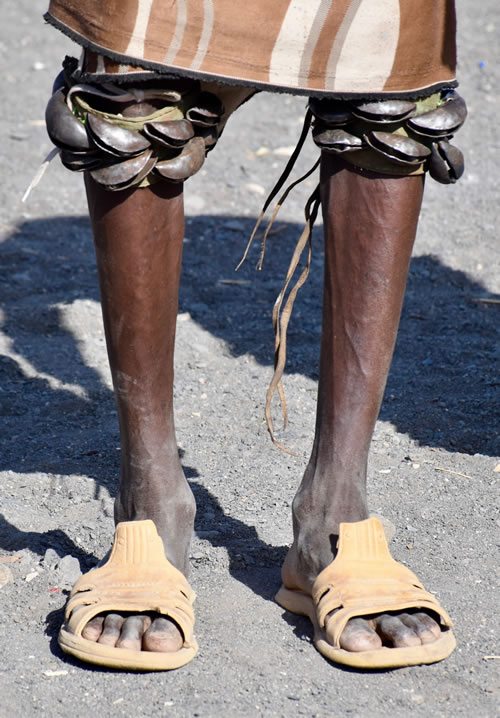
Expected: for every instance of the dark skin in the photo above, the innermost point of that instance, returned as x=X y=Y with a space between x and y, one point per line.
x=370 y=226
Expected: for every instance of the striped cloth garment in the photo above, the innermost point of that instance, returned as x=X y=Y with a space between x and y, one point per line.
x=335 y=47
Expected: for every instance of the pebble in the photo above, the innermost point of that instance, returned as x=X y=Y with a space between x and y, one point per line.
x=31 y=576
x=255 y=188
x=50 y=559
x=5 y=576
x=69 y=571
x=284 y=151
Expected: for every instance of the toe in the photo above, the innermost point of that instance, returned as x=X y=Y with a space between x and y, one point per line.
x=111 y=630
x=93 y=629
x=132 y=632
x=423 y=625
x=358 y=635
x=395 y=633
x=162 y=636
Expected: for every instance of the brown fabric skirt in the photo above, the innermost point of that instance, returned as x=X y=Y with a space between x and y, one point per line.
x=353 y=48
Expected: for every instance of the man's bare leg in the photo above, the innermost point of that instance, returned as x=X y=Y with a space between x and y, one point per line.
x=370 y=226
x=138 y=238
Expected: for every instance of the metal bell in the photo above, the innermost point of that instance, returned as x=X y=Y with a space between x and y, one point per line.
x=127 y=173
x=446 y=164
x=384 y=111
x=336 y=140
x=114 y=139
x=443 y=121
x=398 y=148
x=331 y=112
x=172 y=133
x=63 y=128
x=185 y=164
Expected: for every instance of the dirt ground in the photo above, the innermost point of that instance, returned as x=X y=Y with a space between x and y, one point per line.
x=434 y=455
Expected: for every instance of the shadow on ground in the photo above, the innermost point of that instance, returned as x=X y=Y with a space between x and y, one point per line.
x=440 y=391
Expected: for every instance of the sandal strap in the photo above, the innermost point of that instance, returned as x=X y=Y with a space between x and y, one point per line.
x=364 y=579
x=137 y=577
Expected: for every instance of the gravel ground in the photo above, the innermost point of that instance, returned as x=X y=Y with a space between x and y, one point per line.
x=434 y=462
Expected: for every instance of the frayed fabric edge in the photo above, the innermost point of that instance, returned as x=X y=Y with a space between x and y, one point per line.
x=172 y=71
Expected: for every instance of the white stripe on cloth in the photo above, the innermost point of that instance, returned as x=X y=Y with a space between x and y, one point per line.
x=206 y=34
x=136 y=45
x=180 y=27
x=313 y=38
x=292 y=42
x=368 y=43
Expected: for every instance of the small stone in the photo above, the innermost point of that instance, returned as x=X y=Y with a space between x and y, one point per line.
x=417 y=698
x=415 y=466
x=262 y=151
x=284 y=151
x=497 y=469
x=255 y=188
x=52 y=674
x=5 y=576
x=50 y=559
x=32 y=575
x=69 y=571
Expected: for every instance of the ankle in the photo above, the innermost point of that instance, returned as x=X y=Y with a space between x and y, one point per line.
x=329 y=495
x=169 y=503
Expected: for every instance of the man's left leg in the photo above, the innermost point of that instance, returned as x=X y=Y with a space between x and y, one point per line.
x=370 y=225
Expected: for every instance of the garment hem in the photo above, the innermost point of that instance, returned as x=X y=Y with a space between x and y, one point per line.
x=146 y=67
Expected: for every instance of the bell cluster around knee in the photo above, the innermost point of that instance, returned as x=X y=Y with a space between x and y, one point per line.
x=131 y=137
x=410 y=137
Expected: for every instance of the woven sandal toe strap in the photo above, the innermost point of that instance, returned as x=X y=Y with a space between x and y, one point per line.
x=136 y=598
x=357 y=598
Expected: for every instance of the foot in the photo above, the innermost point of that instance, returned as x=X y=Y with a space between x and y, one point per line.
x=310 y=554
x=135 y=632
x=150 y=632
x=392 y=630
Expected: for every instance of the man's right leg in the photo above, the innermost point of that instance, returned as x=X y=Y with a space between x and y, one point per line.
x=138 y=237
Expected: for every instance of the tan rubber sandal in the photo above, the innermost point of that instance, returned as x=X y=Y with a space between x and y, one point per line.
x=364 y=580
x=137 y=577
